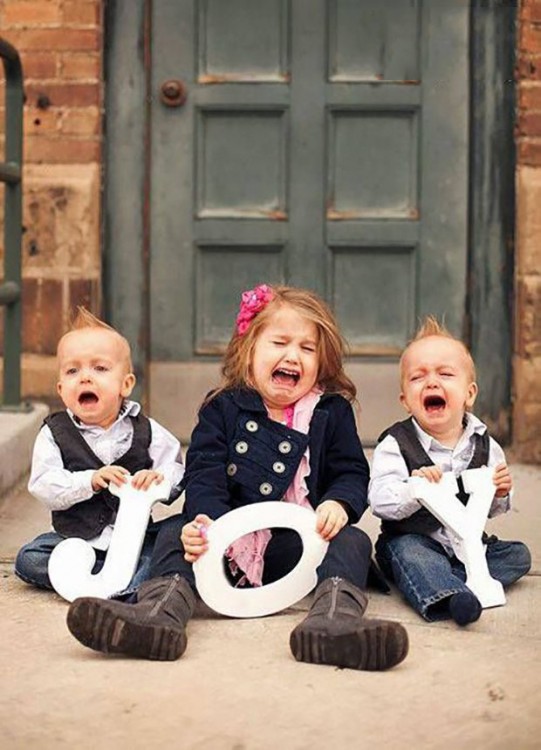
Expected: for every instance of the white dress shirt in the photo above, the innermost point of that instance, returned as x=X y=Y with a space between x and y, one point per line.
x=59 y=488
x=389 y=492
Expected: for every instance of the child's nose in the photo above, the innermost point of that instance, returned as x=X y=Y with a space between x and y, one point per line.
x=292 y=353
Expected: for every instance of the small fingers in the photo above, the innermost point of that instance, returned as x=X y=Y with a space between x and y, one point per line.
x=194 y=540
x=330 y=520
x=109 y=475
x=116 y=475
x=144 y=479
x=430 y=473
x=331 y=529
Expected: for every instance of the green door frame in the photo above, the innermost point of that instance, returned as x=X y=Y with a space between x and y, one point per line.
x=489 y=299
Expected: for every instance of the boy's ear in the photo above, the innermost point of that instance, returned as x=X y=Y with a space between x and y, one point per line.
x=471 y=395
x=128 y=385
x=404 y=403
x=59 y=388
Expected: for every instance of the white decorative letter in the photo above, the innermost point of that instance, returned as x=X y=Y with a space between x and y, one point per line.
x=215 y=589
x=465 y=524
x=71 y=562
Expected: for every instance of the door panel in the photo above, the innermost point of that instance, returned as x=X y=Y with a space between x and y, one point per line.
x=322 y=144
x=371 y=41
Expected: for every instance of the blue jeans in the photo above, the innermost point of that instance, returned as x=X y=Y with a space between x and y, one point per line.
x=32 y=561
x=347 y=556
x=428 y=577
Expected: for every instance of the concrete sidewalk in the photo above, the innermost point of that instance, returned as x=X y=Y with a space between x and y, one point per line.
x=238 y=688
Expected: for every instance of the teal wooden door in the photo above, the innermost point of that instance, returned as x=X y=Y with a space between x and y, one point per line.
x=322 y=143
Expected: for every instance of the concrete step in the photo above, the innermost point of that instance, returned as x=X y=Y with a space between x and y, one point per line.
x=18 y=431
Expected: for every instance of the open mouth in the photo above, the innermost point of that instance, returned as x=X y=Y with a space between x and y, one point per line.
x=281 y=376
x=434 y=403
x=88 y=398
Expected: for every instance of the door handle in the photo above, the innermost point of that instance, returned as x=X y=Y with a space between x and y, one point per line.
x=173 y=93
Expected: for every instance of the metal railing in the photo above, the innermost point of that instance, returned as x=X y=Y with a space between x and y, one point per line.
x=11 y=175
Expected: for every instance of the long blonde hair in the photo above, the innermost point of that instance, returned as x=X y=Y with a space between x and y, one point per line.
x=331 y=347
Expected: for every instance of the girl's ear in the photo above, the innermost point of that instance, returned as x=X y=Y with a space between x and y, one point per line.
x=127 y=385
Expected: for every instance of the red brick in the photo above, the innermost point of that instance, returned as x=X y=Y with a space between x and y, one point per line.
x=76 y=12
x=54 y=39
x=530 y=10
x=529 y=68
x=31 y=13
x=81 y=121
x=528 y=324
x=42 y=315
x=529 y=124
x=529 y=152
x=39 y=65
x=84 y=292
x=41 y=121
x=530 y=37
x=529 y=96
x=80 y=66
x=61 y=150
x=527 y=432
x=66 y=94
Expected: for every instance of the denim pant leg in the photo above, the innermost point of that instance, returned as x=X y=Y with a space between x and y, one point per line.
x=167 y=557
x=142 y=571
x=421 y=570
x=508 y=561
x=348 y=557
x=32 y=561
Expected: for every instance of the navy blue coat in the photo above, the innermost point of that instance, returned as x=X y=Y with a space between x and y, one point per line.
x=239 y=456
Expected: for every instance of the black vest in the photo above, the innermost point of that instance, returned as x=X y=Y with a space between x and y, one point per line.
x=88 y=518
x=413 y=453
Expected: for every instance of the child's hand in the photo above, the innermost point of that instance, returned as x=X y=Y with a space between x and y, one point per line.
x=330 y=518
x=109 y=474
x=143 y=478
x=432 y=473
x=194 y=537
x=502 y=480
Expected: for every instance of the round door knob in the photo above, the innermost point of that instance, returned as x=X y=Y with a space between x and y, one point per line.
x=173 y=93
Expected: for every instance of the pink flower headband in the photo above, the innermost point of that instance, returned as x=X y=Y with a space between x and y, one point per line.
x=252 y=302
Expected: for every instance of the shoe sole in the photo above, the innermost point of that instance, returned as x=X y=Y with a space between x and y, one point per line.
x=101 y=628
x=374 y=649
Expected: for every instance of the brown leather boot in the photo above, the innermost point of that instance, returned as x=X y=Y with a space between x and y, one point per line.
x=335 y=631
x=152 y=628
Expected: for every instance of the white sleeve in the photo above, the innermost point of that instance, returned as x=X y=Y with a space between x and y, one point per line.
x=166 y=456
x=50 y=482
x=388 y=491
x=499 y=504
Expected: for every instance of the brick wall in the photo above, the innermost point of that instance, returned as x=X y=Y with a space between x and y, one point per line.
x=527 y=357
x=60 y=43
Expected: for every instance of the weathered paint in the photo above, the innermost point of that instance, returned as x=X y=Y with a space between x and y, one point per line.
x=492 y=213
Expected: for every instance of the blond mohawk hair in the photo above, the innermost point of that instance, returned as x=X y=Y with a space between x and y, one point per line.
x=430 y=326
x=85 y=319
